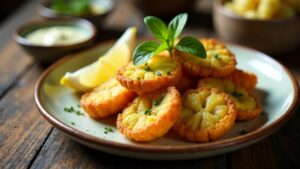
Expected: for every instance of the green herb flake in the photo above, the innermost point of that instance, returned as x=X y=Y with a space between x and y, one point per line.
x=217 y=56
x=147 y=112
x=147 y=67
x=156 y=102
x=138 y=78
x=243 y=132
x=169 y=73
x=69 y=109
x=73 y=123
x=79 y=113
x=73 y=110
x=108 y=130
x=78 y=106
x=236 y=94
x=158 y=73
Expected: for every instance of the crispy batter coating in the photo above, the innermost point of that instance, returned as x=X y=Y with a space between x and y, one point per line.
x=186 y=82
x=220 y=61
x=159 y=72
x=244 y=79
x=207 y=114
x=150 y=116
x=107 y=99
x=248 y=107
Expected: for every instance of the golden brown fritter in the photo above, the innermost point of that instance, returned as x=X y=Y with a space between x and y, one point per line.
x=107 y=99
x=207 y=114
x=151 y=115
x=247 y=105
x=218 y=62
x=244 y=79
x=159 y=72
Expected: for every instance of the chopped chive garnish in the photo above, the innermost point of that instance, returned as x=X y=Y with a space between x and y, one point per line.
x=217 y=56
x=72 y=123
x=72 y=110
x=157 y=101
x=107 y=130
x=147 y=112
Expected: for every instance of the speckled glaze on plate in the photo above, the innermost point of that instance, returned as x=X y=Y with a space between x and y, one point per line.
x=277 y=90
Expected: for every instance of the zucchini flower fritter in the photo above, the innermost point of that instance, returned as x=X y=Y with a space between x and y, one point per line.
x=247 y=105
x=207 y=114
x=107 y=99
x=220 y=61
x=159 y=72
x=150 y=115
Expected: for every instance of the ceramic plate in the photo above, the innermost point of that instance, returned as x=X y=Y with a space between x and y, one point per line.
x=277 y=90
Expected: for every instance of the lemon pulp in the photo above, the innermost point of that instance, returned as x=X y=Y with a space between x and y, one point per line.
x=105 y=67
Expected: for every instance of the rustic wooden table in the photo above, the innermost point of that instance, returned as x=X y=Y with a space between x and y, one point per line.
x=27 y=140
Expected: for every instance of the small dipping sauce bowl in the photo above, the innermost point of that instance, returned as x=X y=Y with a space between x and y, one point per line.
x=48 y=40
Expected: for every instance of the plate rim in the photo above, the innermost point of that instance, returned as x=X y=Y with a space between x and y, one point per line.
x=231 y=142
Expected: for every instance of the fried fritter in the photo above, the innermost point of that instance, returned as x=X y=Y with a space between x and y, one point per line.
x=151 y=115
x=220 y=61
x=207 y=114
x=247 y=105
x=107 y=99
x=159 y=72
x=244 y=79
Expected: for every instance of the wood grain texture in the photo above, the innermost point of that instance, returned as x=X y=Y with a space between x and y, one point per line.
x=280 y=150
x=22 y=130
x=286 y=143
x=61 y=152
x=259 y=155
x=13 y=62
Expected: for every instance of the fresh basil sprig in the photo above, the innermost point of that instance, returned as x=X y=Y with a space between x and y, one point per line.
x=167 y=36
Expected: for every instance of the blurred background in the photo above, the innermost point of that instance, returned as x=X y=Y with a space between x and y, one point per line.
x=271 y=26
x=9 y=7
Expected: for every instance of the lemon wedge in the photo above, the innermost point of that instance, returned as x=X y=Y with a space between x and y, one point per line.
x=105 y=67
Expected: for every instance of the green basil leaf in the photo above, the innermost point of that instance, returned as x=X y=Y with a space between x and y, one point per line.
x=192 y=46
x=157 y=27
x=163 y=46
x=177 y=24
x=144 y=52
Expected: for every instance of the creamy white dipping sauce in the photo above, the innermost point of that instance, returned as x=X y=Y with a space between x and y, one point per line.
x=57 y=35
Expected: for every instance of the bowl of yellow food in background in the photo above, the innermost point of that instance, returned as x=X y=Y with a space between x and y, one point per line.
x=271 y=26
x=93 y=10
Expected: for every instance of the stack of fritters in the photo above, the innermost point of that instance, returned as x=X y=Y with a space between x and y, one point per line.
x=215 y=95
